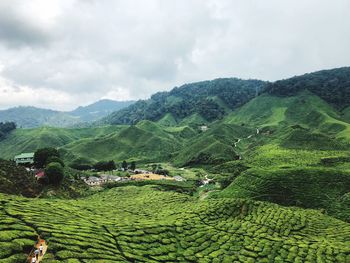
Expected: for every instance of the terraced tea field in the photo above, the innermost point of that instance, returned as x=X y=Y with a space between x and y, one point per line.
x=144 y=224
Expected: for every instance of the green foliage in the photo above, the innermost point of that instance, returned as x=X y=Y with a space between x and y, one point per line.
x=132 y=166
x=332 y=86
x=143 y=224
x=54 y=173
x=42 y=155
x=189 y=99
x=304 y=187
x=104 y=166
x=5 y=128
x=16 y=180
x=30 y=140
x=54 y=159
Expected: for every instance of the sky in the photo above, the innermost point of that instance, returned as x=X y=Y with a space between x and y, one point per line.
x=61 y=54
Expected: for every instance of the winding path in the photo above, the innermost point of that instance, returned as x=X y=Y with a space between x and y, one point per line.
x=37 y=245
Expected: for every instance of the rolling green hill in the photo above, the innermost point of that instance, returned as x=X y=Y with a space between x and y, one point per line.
x=143 y=224
x=29 y=140
x=145 y=142
x=210 y=100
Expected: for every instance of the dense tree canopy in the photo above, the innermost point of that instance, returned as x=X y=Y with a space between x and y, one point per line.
x=331 y=85
x=105 y=166
x=5 y=128
x=54 y=173
x=42 y=155
x=206 y=98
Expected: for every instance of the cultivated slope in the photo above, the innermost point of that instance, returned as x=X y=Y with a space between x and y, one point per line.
x=142 y=224
x=29 y=140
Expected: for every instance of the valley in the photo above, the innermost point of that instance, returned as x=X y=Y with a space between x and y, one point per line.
x=266 y=169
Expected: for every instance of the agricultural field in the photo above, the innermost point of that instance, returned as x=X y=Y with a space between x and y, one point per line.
x=143 y=224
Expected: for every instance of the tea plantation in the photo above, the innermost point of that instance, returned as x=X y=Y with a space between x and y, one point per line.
x=143 y=224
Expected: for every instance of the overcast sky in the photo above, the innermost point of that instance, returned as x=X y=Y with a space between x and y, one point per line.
x=64 y=53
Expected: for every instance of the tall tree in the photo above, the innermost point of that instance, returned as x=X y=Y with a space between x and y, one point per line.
x=125 y=165
x=41 y=156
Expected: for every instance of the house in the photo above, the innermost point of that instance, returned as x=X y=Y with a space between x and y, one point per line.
x=24 y=158
x=105 y=178
x=203 y=128
x=92 y=180
x=179 y=178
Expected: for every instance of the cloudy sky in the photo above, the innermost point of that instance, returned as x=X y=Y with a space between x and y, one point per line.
x=63 y=53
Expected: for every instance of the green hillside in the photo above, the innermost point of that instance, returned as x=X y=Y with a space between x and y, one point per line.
x=209 y=99
x=327 y=188
x=29 y=140
x=333 y=86
x=305 y=112
x=145 y=142
x=143 y=224
x=216 y=145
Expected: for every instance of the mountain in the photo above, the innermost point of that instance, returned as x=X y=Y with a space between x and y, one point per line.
x=31 y=117
x=99 y=109
x=208 y=100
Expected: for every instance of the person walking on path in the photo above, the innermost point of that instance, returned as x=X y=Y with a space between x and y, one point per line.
x=33 y=259
x=36 y=253
x=41 y=248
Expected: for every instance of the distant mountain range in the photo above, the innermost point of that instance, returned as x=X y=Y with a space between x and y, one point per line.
x=31 y=117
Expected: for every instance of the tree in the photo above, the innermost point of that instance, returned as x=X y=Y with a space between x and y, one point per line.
x=41 y=156
x=125 y=165
x=54 y=173
x=132 y=165
x=111 y=165
x=54 y=159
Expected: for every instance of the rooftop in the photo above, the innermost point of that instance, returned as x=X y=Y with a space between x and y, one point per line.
x=25 y=155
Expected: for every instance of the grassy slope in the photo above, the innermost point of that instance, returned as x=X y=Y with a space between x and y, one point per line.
x=305 y=109
x=132 y=226
x=29 y=140
x=144 y=142
x=296 y=133
x=212 y=146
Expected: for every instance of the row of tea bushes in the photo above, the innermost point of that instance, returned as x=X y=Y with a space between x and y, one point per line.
x=145 y=224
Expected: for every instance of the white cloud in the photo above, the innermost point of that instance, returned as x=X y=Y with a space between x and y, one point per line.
x=78 y=51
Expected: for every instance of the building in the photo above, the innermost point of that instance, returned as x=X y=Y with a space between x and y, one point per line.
x=179 y=178
x=39 y=174
x=92 y=180
x=24 y=158
x=203 y=128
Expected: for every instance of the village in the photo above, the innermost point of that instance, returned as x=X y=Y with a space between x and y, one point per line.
x=99 y=178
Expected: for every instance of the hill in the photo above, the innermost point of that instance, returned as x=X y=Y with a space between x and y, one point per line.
x=32 y=117
x=29 y=140
x=145 y=142
x=209 y=99
x=99 y=109
x=144 y=224
x=333 y=86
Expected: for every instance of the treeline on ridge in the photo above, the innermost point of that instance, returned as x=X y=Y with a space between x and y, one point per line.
x=203 y=98
x=332 y=86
